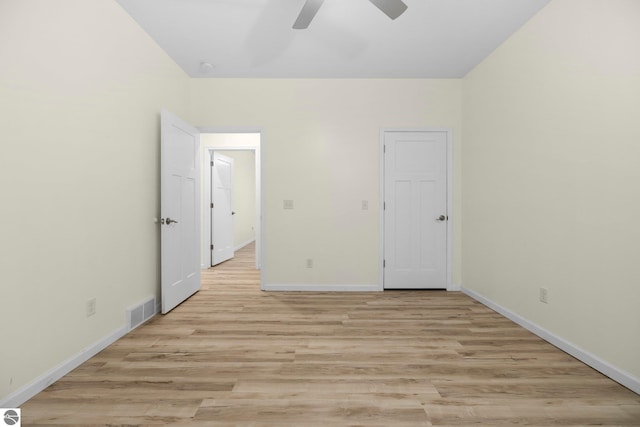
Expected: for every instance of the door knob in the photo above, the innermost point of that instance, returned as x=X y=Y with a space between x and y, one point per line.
x=441 y=218
x=233 y=213
x=169 y=221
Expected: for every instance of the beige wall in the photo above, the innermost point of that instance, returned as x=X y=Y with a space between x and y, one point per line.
x=320 y=148
x=81 y=88
x=551 y=176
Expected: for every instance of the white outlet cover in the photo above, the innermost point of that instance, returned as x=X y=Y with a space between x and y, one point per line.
x=544 y=295
x=91 y=307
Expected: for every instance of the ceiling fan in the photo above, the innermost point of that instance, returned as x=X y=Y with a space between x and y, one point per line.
x=391 y=8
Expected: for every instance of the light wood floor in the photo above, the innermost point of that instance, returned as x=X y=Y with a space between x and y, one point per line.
x=233 y=355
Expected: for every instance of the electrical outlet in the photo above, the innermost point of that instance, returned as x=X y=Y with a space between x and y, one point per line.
x=91 y=307
x=287 y=204
x=309 y=263
x=365 y=205
x=544 y=295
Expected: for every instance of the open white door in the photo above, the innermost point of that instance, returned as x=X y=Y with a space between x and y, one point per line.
x=415 y=215
x=180 y=211
x=222 y=208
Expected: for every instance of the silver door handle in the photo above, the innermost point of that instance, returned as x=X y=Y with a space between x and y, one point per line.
x=169 y=221
x=441 y=218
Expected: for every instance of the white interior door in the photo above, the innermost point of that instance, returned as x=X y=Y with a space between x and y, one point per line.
x=415 y=215
x=180 y=211
x=222 y=208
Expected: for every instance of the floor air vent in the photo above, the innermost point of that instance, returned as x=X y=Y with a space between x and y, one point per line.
x=140 y=313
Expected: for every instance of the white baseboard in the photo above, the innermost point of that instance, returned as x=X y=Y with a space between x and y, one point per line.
x=616 y=374
x=242 y=245
x=20 y=396
x=334 y=288
x=321 y=288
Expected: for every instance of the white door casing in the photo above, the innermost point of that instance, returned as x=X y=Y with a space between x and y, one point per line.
x=415 y=209
x=222 y=209
x=180 y=211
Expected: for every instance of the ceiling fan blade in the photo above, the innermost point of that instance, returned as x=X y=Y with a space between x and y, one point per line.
x=307 y=13
x=391 y=8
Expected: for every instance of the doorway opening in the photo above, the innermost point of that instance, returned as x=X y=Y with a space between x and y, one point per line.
x=245 y=147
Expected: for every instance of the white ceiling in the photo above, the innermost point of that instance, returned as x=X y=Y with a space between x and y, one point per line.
x=347 y=38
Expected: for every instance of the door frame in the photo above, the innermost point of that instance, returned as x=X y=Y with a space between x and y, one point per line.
x=449 y=250
x=259 y=169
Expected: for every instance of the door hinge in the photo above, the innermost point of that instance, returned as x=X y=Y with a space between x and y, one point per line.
x=384 y=148
x=211 y=247
x=384 y=206
x=211 y=205
x=384 y=263
x=211 y=163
